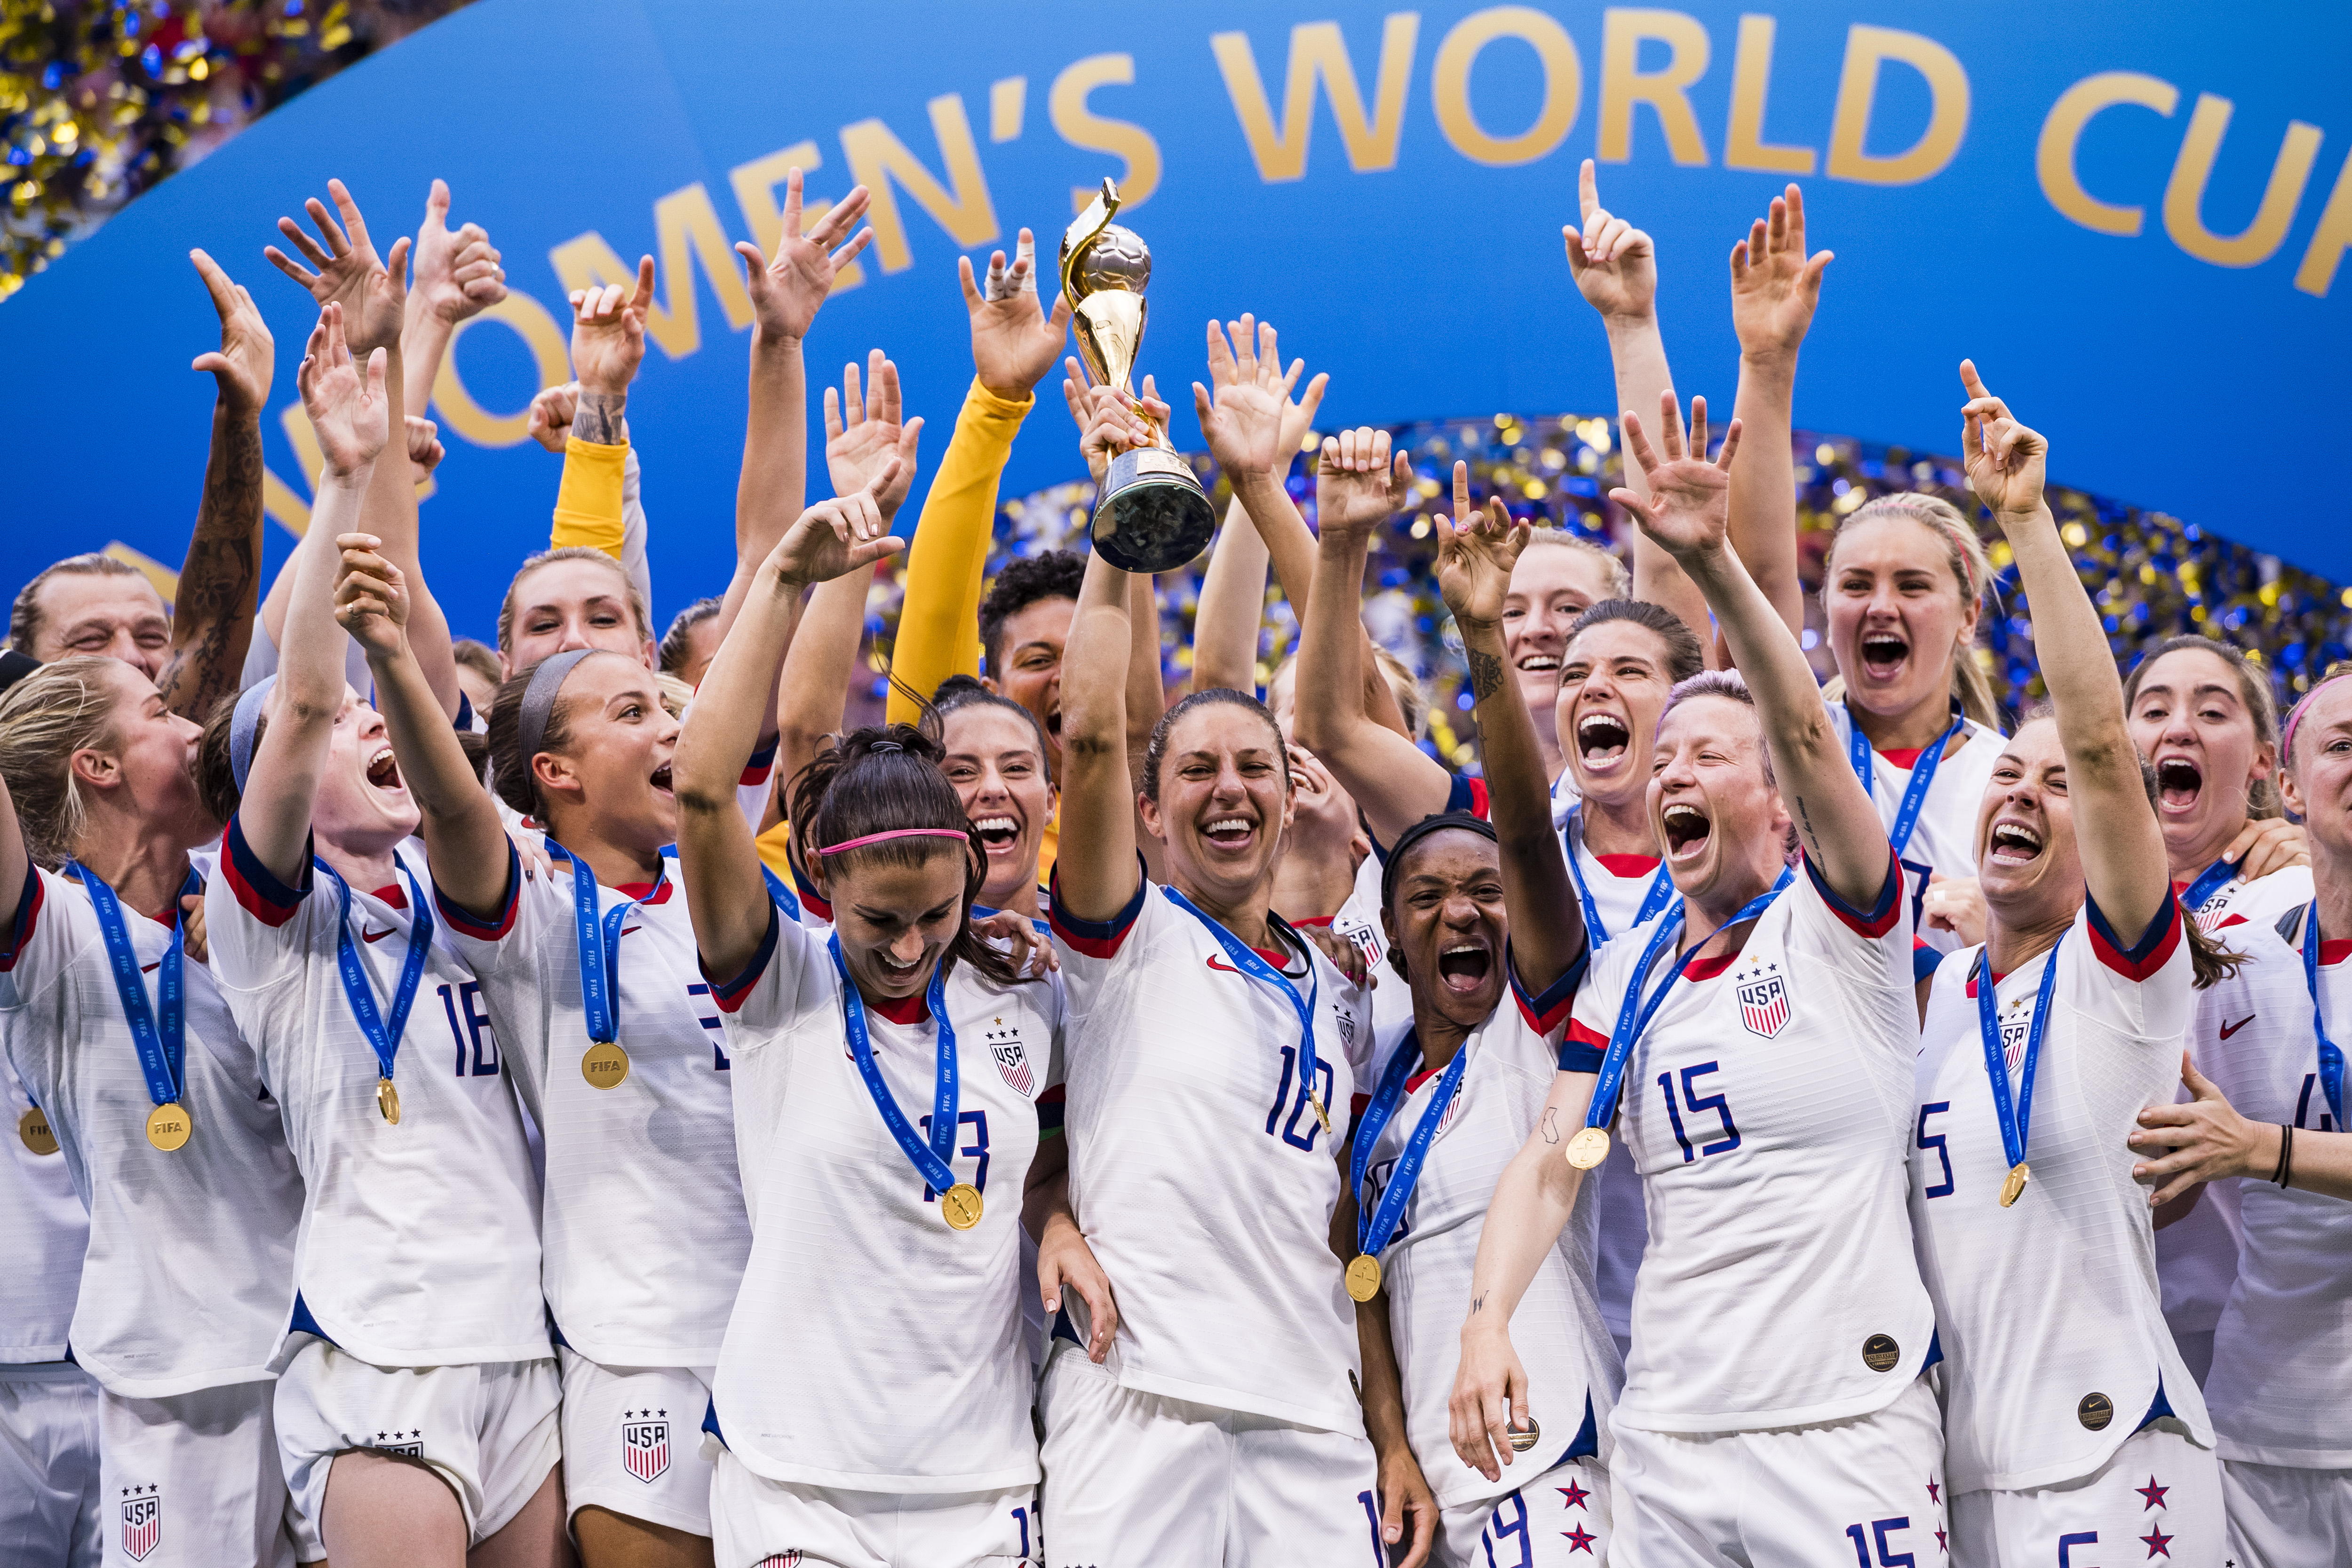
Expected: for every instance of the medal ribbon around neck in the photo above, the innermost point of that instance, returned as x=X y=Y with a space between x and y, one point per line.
x=2331 y=1055
x=2016 y=1115
x=382 y=1034
x=599 y=942
x=931 y=1159
x=1245 y=958
x=1662 y=886
x=1374 y=1227
x=160 y=1034
x=2209 y=881
x=1633 y=1015
x=1923 y=773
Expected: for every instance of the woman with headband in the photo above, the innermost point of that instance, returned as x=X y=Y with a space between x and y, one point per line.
x=2069 y=1416
x=872 y=1397
x=2267 y=1081
x=323 y=945
x=1753 y=1046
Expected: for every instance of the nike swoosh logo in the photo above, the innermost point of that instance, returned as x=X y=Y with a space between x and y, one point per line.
x=151 y=968
x=2229 y=1029
x=367 y=935
x=626 y=930
x=1228 y=968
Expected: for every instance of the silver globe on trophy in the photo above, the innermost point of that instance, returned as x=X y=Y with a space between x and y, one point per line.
x=1153 y=514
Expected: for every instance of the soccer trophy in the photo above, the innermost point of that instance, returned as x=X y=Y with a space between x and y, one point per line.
x=1153 y=514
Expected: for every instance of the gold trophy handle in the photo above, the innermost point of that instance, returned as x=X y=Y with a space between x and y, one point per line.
x=1080 y=236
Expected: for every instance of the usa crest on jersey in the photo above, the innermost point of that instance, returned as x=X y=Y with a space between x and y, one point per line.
x=780 y=1560
x=645 y=1445
x=1012 y=1058
x=142 y=1523
x=1764 y=1003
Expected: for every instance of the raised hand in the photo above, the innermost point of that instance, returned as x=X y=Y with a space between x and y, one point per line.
x=551 y=415
x=1359 y=485
x=1475 y=552
x=1774 y=284
x=837 y=536
x=373 y=292
x=350 y=413
x=787 y=288
x=1298 y=414
x=1615 y=263
x=371 y=596
x=1688 y=509
x=2005 y=459
x=608 y=332
x=458 y=273
x=1242 y=420
x=1108 y=421
x=246 y=360
x=1013 y=340
x=425 y=448
x=860 y=433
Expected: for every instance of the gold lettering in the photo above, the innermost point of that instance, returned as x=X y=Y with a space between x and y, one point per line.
x=2184 y=194
x=962 y=207
x=1866 y=49
x=2053 y=155
x=1066 y=105
x=1744 y=146
x=1449 y=85
x=1007 y=101
x=1316 y=48
x=755 y=185
x=1623 y=84
x=687 y=231
x=2328 y=241
x=528 y=320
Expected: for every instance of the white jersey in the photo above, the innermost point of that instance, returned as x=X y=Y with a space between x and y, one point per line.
x=1767 y=1105
x=44 y=1229
x=872 y=1347
x=1945 y=838
x=1360 y=921
x=189 y=1280
x=643 y=1221
x=2282 y=1368
x=1198 y=1169
x=419 y=1244
x=2050 y=1314
x=1572 y=1368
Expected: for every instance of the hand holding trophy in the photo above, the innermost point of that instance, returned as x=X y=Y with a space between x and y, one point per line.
x=1153 y=514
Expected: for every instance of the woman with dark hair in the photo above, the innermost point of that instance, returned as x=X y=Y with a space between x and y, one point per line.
x=872 y=1395
x=994 y=754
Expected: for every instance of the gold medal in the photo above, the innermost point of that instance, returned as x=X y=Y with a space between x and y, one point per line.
x=1364 y=1276
x=33 y=1127
x=1589 y=1147
x=960 y=1205
x=1315 y=1100
x=168 y=1128
x=2013 y=1185
x=604 y=1065
x=387 y=1100
x=1522 y=1441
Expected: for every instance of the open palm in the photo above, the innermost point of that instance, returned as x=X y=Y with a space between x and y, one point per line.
x=787 y=288
x=1242 y=418
x=372 y=293
x=1774 y=285
x=1688 y=509
x=1014 y=340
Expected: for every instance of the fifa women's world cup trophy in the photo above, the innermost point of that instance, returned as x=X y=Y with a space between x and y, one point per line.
x=1153 y=514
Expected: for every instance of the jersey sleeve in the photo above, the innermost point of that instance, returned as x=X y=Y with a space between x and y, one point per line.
x=1872 y=943
x=47 y=935
x=256 y=927
x=1090 y=949
x=1592 y=1010
x=505 y=937
x=588 y=509
x=776 y=987
x=1051 y=1097
x=758 y=782
x=1546 y=1012
x=2140 y=982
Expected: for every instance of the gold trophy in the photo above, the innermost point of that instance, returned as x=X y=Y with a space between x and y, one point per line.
x=1153 y=514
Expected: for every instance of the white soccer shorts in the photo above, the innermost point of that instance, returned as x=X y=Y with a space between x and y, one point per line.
x=1135 y=1478
x=192 y=1480
x=2279 y=1517
x=1558 y=1519
x=633 y=1441
x=48 y=1465
x=2157 y=1499
x=758 y=1523
x=489 y=1431
x=1869 y=1489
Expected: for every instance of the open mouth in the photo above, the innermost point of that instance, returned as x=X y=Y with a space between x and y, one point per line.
x=2012 y=844
x=2178 y=782
x=1463 y=968
x=1602 y=739
x=892 y=970
x=1541 y=664
x=1687 y=830
x=998 y=832
x=1883 y=653
x=384 y=771
x=660 y=778
x=1053 y=722
x=1229 y=832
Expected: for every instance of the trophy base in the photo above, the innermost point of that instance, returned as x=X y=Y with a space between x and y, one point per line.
x=1152 y=515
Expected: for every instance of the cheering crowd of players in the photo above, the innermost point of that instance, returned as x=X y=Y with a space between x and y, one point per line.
x=569 y=1101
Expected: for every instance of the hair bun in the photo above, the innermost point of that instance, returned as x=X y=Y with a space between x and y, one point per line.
x=878 y=747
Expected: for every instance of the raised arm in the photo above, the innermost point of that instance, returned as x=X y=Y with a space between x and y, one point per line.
x=1095 y=872
x=458 y=276
x=1475 y=551
x=1233 y=594
x=2116 y=831
x=220 y=580
x=1687 y=515
x=1774 y=288
x=731 y=906
x=348 y=411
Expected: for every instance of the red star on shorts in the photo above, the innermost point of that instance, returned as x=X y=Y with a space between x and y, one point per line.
x=1574 y=1494
x=1932 y=1496
x=1580 y=1540
x=1941 y=1544
x=2153 y=1493
x=2158 y=1545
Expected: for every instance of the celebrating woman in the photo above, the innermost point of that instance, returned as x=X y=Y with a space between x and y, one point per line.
x=2069 y=1415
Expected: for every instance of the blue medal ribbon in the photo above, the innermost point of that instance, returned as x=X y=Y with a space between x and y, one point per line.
x=782 y=895
x=2016 y=1116
x=1633 y=1015
x=1375 y=1227
x=2331 y=1055
x=382 y=1034
x=931 y=1159
x=2209 y=881
x=1245 y=958
x=599 y=949
x=1923 y=774
x=159 y=1033
x=1662 y=886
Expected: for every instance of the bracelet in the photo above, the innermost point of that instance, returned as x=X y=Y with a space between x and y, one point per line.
x=2286 y=1154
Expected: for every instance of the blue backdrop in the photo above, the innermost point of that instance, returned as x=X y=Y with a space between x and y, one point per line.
x=2130 y=216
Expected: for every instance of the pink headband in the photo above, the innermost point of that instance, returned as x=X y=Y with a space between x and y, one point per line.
x=2294 y=716
x=955 y=833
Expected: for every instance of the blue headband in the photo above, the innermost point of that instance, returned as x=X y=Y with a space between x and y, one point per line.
x=242 y=725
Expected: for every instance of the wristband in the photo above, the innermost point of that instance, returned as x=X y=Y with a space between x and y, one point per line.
x=2286 y=1155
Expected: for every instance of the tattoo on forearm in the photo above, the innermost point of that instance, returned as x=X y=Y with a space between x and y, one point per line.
x=598 y=419
x=211 y=614
x=1551 y=1125
x=1486 y=675
x=1478 y=1304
